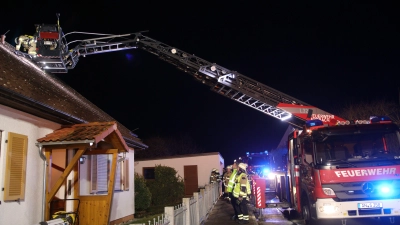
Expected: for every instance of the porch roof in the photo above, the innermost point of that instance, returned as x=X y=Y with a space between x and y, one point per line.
x=93 y=132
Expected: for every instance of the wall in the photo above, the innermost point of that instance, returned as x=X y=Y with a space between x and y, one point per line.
x=28 y=211
x=205 y=163
x=123 y=203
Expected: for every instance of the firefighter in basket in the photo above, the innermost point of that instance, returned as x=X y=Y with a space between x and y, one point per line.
x=28 y=44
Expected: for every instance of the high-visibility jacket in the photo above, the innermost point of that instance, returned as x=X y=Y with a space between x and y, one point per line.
x=242 y=186
x=226 y=177
x=231 y=182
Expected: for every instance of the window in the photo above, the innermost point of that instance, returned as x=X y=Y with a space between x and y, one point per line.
x=100 y=173
x=118 y=173
x=308 y=150
x=148 y=173
x=122 y=175
x=15 y=175
x=95 y=174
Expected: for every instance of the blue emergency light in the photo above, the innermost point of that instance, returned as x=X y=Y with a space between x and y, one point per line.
x=313 y=123
x=379 y=119
x=385 y=190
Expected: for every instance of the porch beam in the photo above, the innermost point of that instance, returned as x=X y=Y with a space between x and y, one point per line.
x=50 y=195
x=68 y=146
x=111 y=183
x=101 y=151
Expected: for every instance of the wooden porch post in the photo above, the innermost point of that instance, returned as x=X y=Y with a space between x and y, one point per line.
x=61 y=180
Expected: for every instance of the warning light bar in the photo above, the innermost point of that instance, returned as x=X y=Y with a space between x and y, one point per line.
x=380 y=119
x=314 y=123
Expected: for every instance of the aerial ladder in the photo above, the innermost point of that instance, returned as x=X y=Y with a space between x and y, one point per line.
x=49 y=49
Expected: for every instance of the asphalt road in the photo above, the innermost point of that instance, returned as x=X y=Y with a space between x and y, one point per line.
x=278 y=216
x=270 y=216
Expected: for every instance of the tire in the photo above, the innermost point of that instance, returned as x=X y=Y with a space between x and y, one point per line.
x=306 y=211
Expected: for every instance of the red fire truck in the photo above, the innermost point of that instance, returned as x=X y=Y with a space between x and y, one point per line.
x=347 y=171
x=337 y=169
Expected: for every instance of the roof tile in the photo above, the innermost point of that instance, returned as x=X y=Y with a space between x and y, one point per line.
x=80 y=132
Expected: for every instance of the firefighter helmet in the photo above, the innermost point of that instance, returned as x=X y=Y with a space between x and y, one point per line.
x=242 y=166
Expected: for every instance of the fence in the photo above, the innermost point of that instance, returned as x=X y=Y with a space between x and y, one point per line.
x=193 y=210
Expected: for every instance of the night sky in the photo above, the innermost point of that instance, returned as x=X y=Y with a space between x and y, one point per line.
x=327 y=55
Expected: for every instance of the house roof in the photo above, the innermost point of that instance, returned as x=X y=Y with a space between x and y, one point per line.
x=96 y=132
x=25 y=87
x=180 y=156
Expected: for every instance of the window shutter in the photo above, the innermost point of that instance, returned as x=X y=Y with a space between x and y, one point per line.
x=102 y=172
x=125 y=173
x=15 y=175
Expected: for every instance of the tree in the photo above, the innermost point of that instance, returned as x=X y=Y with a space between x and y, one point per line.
x=158 y=147
x=363 y=110
x=168 y=146
x=142 y=193
x=167 y=188
x=183 y=144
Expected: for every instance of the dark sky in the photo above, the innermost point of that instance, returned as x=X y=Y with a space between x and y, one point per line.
x=327 y=55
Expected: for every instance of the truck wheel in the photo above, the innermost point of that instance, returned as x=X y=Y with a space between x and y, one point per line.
x=306 y=211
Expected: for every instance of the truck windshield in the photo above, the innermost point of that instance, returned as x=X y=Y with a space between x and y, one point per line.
x=354 y=147
x=259 y=161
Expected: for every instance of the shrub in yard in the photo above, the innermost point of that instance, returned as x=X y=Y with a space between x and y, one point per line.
x=167 y=188
x=142 y=193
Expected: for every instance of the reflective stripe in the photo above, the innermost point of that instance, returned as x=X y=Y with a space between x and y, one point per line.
x=297 y=171
x=231 y=181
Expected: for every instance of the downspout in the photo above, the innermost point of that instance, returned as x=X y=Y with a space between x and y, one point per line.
x=44 y=181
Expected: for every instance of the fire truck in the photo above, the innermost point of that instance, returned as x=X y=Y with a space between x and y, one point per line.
x=336 y=169
x=347 y=171
x=260 y=166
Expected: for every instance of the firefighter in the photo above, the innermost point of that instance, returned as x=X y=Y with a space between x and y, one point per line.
x=28 y=43
x=241 y=193
x=229 y=189
x=225 y=179
x=215 y=176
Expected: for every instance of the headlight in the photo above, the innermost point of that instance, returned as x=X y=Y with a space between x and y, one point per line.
x=328 y=191
x=271 y=176
x=328 y=208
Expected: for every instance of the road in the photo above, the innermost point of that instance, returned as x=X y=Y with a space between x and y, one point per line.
x=271 y=216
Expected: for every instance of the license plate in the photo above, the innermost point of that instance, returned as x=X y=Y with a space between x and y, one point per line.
x=370 y=205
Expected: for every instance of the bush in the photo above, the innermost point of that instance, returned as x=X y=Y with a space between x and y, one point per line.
x=167 y=188
x=142 y=193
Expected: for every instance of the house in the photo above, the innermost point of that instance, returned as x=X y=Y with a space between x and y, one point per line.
x=195 y=169
x=57 y=145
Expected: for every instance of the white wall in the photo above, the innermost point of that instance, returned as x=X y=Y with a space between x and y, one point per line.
x=205 y=163
x=123 y=202
x=28 y=211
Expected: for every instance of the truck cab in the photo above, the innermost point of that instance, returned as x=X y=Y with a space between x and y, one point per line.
x=346 y=171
